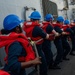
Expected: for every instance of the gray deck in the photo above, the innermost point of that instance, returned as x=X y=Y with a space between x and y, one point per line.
x=67 y=68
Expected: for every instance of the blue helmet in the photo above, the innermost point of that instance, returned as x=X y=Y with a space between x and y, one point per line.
x=35 y=15
x=11 y=21
x=60 y=19
x=66 y=22
x=49 y=17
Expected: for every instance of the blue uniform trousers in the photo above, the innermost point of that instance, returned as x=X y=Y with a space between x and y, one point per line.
x=47 y=51
x=59 y=47
x=43 y=66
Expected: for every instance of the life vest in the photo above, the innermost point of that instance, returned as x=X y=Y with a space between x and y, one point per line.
x=45 y=25
x=72 y=25
x=3 y=73
x=64 y=27
x=28 y=28
x=12 y=37
x=57 y=25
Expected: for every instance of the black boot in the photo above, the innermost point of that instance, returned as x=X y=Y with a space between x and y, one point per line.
x=54 y=67
x=67 y=59
x=50 y=66
x=71 y=53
